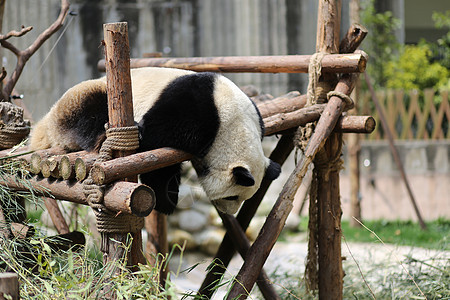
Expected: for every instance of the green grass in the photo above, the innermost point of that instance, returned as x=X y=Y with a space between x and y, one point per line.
x=403 y=233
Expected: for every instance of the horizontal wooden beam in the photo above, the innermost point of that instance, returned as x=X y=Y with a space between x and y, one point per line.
x=333 y=63
x=144 y=162
x=125 y=197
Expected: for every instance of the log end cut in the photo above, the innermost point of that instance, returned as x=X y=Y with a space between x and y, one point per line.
x=142 y=201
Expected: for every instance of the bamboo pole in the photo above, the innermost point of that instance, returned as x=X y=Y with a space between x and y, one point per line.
x=120 y=112
x=338 y=63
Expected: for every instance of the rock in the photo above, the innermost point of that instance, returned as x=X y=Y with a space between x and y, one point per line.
x=179 y=237
x=210 y=240
x=192 y=220
x=254 y=227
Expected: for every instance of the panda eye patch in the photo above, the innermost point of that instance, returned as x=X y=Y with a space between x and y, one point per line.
x=231 y=198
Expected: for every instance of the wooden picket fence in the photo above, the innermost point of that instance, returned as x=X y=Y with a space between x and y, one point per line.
x=411 y=115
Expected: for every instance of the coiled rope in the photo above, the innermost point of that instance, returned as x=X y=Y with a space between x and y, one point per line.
x=117 y=139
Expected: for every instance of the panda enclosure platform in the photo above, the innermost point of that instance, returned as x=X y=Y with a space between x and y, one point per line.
x=336 y=66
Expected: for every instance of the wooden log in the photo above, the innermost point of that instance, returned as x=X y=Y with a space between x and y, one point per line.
x=356 y=124
x=144 y=162
x=76 y=164
x=227 y=247
x=83 y=165
x=49 y=167
x=284 y=121
x=139 y=163
x=12 y=153
x=354 y=37
x=330 y=275
x=9 y=286
x=56 y=215
x=156 y=227
x=276 y=219
x=38 y=156
x=242 y=244
x=120 y=112
x=124 y=197
x=337 y=63
x=282 y=104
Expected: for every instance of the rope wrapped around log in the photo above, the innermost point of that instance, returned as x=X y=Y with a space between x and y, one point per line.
x=13 y=128
x=117 y=139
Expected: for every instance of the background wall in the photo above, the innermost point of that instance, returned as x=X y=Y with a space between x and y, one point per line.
x=175 y=28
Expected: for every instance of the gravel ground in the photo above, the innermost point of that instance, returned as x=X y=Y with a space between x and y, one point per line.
x=289 y=258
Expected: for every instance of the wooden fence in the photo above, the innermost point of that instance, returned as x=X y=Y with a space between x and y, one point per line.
x=414 y=115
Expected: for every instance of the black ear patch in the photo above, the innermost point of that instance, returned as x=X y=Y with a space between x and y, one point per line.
x=243 y=176
x=273 y=171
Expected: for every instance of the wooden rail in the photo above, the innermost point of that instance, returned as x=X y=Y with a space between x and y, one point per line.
x=335 y=63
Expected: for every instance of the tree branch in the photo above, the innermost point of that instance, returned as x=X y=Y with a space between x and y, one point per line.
x=24 y=56
x=16 y=33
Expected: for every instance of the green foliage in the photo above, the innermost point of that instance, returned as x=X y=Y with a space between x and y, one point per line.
x=441 y=49
x=381 y=43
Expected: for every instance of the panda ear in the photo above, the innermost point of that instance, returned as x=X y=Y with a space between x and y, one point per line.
x=272 y=171
x=243 y=176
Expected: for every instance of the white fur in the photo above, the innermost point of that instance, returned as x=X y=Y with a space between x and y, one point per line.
x=238 y=142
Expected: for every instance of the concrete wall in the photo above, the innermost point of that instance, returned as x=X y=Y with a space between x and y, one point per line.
x=176 y=28
x=383 y=193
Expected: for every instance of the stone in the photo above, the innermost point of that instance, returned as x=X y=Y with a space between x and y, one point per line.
x=210 y=240
x=180 y=237
x=192 y=220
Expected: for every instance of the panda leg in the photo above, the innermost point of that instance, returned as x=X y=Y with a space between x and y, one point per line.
x=164 y=183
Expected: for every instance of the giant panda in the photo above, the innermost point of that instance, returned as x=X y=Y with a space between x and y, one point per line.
x=204 y=114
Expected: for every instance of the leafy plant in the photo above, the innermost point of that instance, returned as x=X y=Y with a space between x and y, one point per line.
x=414 y=70
x=381 y=43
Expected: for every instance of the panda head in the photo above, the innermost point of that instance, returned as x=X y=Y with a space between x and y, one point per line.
x=235 y=165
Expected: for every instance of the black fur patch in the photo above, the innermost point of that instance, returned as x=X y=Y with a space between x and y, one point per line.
x=243 y=176
x=184 y=117
x=88 y=121
x=164 y=183
x=272 y=171
x=261 y=121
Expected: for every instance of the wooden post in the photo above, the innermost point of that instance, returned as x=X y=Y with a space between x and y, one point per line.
x=120 y=111
x=227 y=248
x=9 y=286
x=56 y=215
x=353 y=141
x=327 y=168
x=156 y=226
x=394 y=152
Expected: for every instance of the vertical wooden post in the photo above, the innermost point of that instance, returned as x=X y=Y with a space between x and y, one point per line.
x=120 y=111
x=9 y=286
x=328 y=198
x=156 y=227
x=353 y=146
